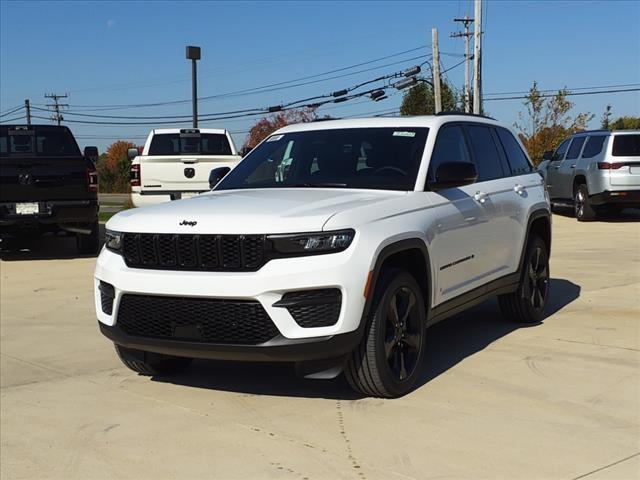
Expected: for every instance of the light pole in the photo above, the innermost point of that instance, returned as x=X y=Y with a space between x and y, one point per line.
x=193 y=54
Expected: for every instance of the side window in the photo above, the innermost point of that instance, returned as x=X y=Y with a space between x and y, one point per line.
x=574 y=149
x=517 y=159
x=593 y=146
x=561 y=150
x=451 y=146
x=485 y=153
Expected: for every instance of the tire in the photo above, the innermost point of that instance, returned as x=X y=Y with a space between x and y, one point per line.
x=582 y=207
x=389 y=360
x=152 y=364
x=89 y=244
x=527 y=303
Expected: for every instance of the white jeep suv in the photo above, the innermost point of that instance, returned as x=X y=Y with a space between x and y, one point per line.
x=332 y=245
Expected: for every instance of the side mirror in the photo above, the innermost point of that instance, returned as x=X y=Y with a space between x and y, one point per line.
x=132 y=153
x=216 y=175
x=91 y=153
x=548 y=155
x=454 y=174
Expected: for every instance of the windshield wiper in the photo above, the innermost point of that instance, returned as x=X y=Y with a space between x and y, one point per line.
x=318 y=185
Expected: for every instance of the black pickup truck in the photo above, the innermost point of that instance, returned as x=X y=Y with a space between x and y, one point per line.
x=47 y=185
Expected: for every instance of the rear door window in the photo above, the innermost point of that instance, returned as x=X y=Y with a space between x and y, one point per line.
x=626 y=146
x=41 y=141
x=485 y=153
x=574 y=149
x=189 y=144
x=593 y=146
x=517 y=159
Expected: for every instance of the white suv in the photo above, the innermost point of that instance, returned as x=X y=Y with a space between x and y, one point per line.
x=332 y=245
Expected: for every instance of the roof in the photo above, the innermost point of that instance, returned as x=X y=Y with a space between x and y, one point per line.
x=606 y=132
x=428 y=121
x=157 y=131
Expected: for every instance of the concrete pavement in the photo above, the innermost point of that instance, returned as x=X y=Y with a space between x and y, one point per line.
x=560 y=400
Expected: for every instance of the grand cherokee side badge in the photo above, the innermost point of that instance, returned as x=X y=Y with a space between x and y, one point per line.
x=187 y=222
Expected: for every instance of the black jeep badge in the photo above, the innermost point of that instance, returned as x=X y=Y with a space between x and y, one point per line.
x=189 y=172
x=187 y=222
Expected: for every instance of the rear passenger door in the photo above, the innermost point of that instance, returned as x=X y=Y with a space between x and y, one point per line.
x=501 y=201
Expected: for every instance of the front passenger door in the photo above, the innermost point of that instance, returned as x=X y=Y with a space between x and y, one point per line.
x=553 y=177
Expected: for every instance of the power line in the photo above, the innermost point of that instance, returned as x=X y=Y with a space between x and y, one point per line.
x=567 y=94
x=566 y=88
x=261 y=89
x=12 y=120
x=13 y=110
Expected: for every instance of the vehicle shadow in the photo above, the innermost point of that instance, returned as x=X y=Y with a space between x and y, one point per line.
x=626 y=215
x=448 y=343
x=46 y=247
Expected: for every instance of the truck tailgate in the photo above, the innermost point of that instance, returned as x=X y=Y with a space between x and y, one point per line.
x=43 y=178
x=180 y=173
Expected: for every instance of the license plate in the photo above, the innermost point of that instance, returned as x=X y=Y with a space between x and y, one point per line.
x=189 y=194
x=27 y=208
x=634 y=169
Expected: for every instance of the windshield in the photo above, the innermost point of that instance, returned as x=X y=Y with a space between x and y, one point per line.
x=40 y=141
x=180 y=144
x=368 y=158
x=626 y=146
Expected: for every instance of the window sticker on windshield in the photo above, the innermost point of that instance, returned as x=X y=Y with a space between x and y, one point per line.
x=275 y=138
x=399 y=133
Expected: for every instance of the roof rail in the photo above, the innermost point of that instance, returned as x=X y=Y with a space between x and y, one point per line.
x=453 y=112
x=597 y=130
x=325 y=119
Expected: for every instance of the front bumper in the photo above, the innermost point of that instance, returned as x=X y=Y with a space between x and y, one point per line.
x=629 y=198
x=344 y=271
x=279 y=349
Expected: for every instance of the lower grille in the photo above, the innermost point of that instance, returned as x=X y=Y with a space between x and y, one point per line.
x=107 y=294
x=208 y=320
x=313 y=308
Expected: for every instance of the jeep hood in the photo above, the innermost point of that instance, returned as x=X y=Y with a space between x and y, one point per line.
x=286 y=210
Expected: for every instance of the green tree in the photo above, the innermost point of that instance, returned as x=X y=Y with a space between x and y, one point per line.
x=420 y=100
x=606 y=118
x=548 y=121
x=625 y=123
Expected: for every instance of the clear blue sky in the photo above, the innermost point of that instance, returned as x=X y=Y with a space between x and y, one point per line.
x=105 y=53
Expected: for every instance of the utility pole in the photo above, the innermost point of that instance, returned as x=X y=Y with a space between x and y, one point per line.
x=56 y=117
x=466 y=21
x=477 y=58
x=193 y=54
x=436 y=70
x=27 y=108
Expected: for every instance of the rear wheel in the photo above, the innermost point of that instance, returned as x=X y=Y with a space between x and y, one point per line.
x=527 y=303
x=389 y=360
x=149 y=363
x=89 y=244
x=582 y=207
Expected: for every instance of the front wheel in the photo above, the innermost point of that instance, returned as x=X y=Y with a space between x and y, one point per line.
x=527 y=303
x=389 y=360
x=149 y=363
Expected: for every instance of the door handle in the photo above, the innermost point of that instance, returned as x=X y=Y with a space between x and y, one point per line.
x=519 y=189
x=573 y=165
x=480 y=197
x=557 y=167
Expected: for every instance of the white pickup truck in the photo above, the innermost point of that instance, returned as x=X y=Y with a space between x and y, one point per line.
x=176 y=163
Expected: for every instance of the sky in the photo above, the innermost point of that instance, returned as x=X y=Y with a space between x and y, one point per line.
x=128 y=53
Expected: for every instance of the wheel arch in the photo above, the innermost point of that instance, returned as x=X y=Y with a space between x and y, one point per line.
x=410 y=254
x=539 y=223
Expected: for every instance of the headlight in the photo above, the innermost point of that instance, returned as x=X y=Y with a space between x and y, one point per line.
x=312 y=243
x=113 y=241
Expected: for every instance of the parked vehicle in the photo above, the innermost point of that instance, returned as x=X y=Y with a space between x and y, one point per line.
x=596 y=172
x=47 y=185
x=176 y=163
x=332 y=245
